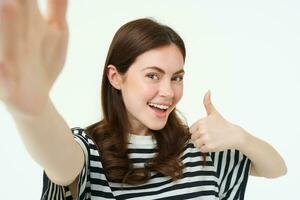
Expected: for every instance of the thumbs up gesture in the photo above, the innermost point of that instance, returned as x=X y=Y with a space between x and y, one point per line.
x=213 y=132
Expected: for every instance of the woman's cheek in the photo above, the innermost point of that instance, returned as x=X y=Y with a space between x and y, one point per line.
x=150 y=91
x=178 y=91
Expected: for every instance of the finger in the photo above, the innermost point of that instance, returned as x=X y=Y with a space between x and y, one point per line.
x=199 y=132
x=8 y=44
x=196 y=136
x=209 y=107
x=27 y=7
x=8 y=31
x=30 y=14
x=6 y=82
x=195 y=126
x=56 y=12
x=200 y=141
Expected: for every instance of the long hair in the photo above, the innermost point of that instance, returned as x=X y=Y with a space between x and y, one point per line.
x=111 y=133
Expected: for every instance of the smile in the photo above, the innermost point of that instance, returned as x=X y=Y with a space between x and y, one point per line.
x=162 y=107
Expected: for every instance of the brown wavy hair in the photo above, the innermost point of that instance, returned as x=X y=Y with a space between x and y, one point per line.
x=111 y=133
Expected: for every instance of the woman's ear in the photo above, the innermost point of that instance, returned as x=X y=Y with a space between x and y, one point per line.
x=114 y=77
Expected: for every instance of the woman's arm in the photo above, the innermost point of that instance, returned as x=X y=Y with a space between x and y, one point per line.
x=49 y=141
x=32 y=54
x=265 y=160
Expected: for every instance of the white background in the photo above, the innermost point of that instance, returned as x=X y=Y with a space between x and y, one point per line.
x=245 y=52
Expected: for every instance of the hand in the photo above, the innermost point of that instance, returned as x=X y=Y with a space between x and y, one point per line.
x=214 y=133
x=32 y=52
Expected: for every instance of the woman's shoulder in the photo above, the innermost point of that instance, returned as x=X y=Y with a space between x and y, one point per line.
x=78 y=131
x=85 y=141
x=81 y=134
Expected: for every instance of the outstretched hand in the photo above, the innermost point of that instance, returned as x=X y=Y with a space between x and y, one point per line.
x=214 y=133
x=32 y=52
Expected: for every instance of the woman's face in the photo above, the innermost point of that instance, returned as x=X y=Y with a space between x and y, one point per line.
x=152 y=87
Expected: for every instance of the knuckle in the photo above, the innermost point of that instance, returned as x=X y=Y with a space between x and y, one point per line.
x=198 y=143
x=193 y=136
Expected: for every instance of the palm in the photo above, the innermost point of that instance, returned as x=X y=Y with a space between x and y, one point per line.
x=32 y=52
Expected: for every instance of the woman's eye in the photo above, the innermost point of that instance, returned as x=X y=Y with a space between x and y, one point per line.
x=178 y=78
x=152 y=76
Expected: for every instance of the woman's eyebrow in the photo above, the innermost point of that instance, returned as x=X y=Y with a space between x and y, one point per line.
x=161 y=70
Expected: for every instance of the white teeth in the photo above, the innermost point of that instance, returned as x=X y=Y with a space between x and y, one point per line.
x=163 y=107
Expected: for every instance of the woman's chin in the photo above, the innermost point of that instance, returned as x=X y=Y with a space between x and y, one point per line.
x=157 y=127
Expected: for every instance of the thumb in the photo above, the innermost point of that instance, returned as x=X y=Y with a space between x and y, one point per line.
x=209 y=107
x=56 y=12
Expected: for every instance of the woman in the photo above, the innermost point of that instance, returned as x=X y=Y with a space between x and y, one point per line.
x=141 y=148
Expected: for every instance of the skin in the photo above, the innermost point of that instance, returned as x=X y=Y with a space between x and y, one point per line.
x=155 y=76
x=211 y=133
x=215 y=133
x=30 y=62
x=25 y=52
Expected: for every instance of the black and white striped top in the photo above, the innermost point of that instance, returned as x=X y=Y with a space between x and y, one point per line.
x=224 y=177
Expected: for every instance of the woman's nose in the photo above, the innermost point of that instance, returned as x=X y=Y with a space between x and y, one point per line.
x=166 y=89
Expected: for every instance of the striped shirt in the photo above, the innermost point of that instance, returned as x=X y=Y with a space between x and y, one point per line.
x=223 y=177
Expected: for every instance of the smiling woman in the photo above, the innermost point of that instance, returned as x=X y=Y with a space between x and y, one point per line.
x=158 y=156
x=140 y=148
x=127 y=91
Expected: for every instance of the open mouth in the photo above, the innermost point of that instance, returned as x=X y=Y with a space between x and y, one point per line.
x=160 y=110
